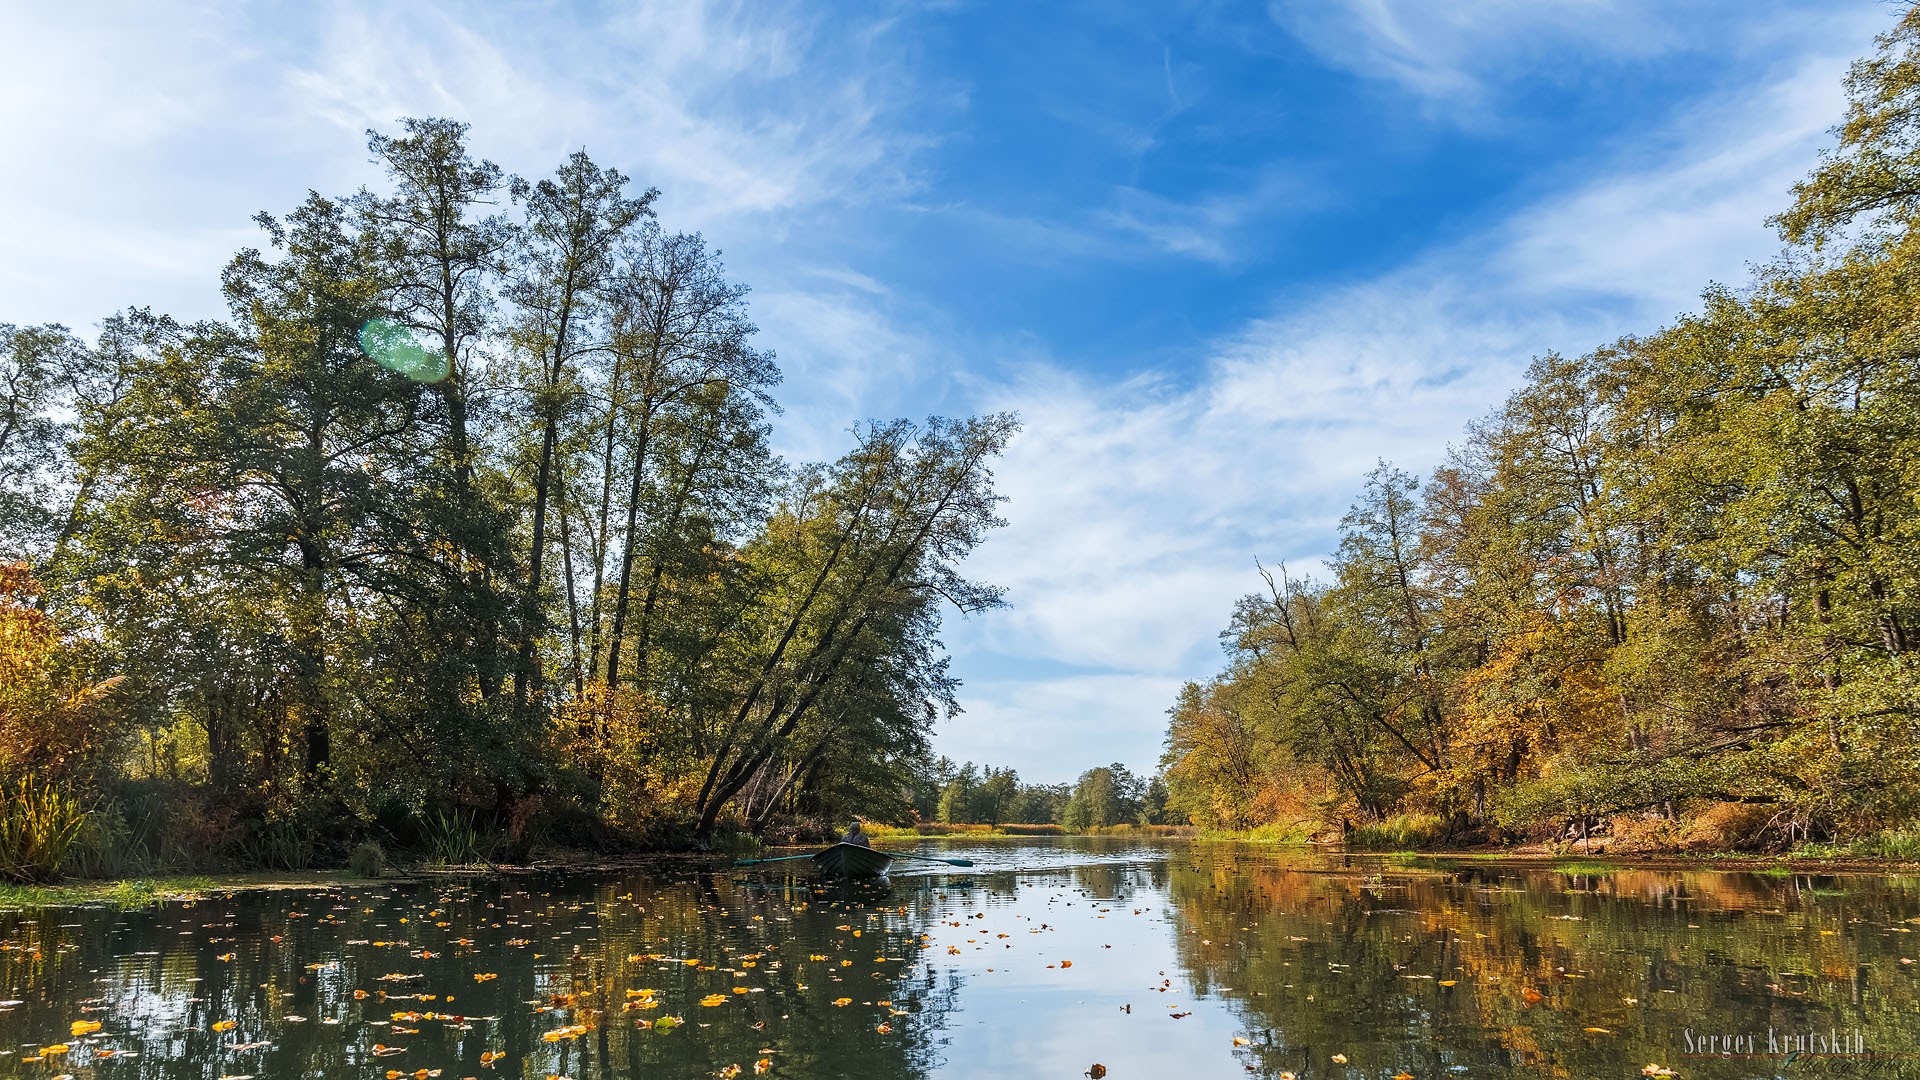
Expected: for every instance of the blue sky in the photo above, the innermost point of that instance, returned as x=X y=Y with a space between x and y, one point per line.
x=1221 y=257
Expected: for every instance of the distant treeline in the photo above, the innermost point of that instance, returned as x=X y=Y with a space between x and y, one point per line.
x=1670 y=588
x=459 y=533
x=1103 y=797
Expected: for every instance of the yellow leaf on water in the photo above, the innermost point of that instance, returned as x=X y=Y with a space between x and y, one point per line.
x=713 y=999
x=85 y=1027
x=485 y=976
x=1449 y=982
x=1596 y=1031
x=223 y=1025
x=55 y=1050
x=841 y=1003
x=1241 y=1040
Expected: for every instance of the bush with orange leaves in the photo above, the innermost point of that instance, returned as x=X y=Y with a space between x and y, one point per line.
x=54 y=723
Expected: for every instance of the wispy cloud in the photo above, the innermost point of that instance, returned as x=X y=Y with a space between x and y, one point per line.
x=757 y=122
x=1137 y=508
x=1454 y=51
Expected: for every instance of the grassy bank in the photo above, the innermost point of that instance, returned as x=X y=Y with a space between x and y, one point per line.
x=134 y=892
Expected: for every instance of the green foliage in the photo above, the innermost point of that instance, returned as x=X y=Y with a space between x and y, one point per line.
x=468 y=502
x=452 y=839
x=39 y=824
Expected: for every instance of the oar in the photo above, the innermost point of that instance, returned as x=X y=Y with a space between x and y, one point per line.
x=890 y=854
x=783 y=858
x=927 y=858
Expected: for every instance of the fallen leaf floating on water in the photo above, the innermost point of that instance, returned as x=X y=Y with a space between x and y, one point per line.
x=485 y=976
x=729 y=1072
x=55 y=1050
x=85 y=1027
x=223 y=1025
x=1096 y=1070
x=841 y=1003
x=884 y=1028
x=1180 y=1015
x=1449 y=982
x=386 y=1051
x=1339 y=1059
x=488 y=1057
x=666 y=1023
x=713 y=999
x=1656 y=1070
x=1403 y=1075
x=763 y=1066
x=1597 y=1031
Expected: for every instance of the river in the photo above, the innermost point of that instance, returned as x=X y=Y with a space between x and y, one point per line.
x=1048 y=957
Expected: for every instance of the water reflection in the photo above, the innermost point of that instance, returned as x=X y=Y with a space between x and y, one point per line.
x=1484 y=971
x=1047 y=957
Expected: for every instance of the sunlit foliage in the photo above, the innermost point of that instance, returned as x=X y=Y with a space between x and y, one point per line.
x=1672 y=578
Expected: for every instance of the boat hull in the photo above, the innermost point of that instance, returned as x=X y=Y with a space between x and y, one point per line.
x=852 y=861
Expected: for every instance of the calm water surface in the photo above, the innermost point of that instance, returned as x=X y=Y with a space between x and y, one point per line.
x=1203 y=960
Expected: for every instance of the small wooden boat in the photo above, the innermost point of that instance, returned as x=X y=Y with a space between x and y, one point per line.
x=852 y=861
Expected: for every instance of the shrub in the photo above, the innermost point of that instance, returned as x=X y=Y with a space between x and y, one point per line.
x=367 y=860
x=38 y=826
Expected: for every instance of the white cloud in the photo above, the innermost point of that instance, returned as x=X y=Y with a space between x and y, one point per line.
x=141 y=139
x=1049 y=730
x=1451 y=50
x=1137 y=508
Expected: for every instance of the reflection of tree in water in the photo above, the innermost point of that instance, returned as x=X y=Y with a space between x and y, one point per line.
x=280 y=966
x=1353 y=962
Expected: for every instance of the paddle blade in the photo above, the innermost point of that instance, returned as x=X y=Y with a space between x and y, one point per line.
x=960 y=862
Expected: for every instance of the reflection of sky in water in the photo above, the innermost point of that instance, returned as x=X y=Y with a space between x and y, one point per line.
x=1301 y=955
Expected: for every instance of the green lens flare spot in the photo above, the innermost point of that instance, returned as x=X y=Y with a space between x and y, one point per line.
x=394 y=347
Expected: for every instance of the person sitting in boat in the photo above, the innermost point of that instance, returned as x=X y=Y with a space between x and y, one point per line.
x=856 y=836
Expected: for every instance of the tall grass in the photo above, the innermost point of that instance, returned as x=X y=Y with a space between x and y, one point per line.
x=1401 y=832
x=38 y=826
x=452 y=839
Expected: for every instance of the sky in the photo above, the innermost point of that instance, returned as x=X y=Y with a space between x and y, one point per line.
x=1221 y=258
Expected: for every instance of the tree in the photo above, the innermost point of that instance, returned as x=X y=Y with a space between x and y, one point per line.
x=574 y=222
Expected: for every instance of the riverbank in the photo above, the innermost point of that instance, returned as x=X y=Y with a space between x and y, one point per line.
x=134 y=892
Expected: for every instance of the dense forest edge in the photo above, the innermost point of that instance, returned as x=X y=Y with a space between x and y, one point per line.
x=1664 y=598
x=459 y=539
